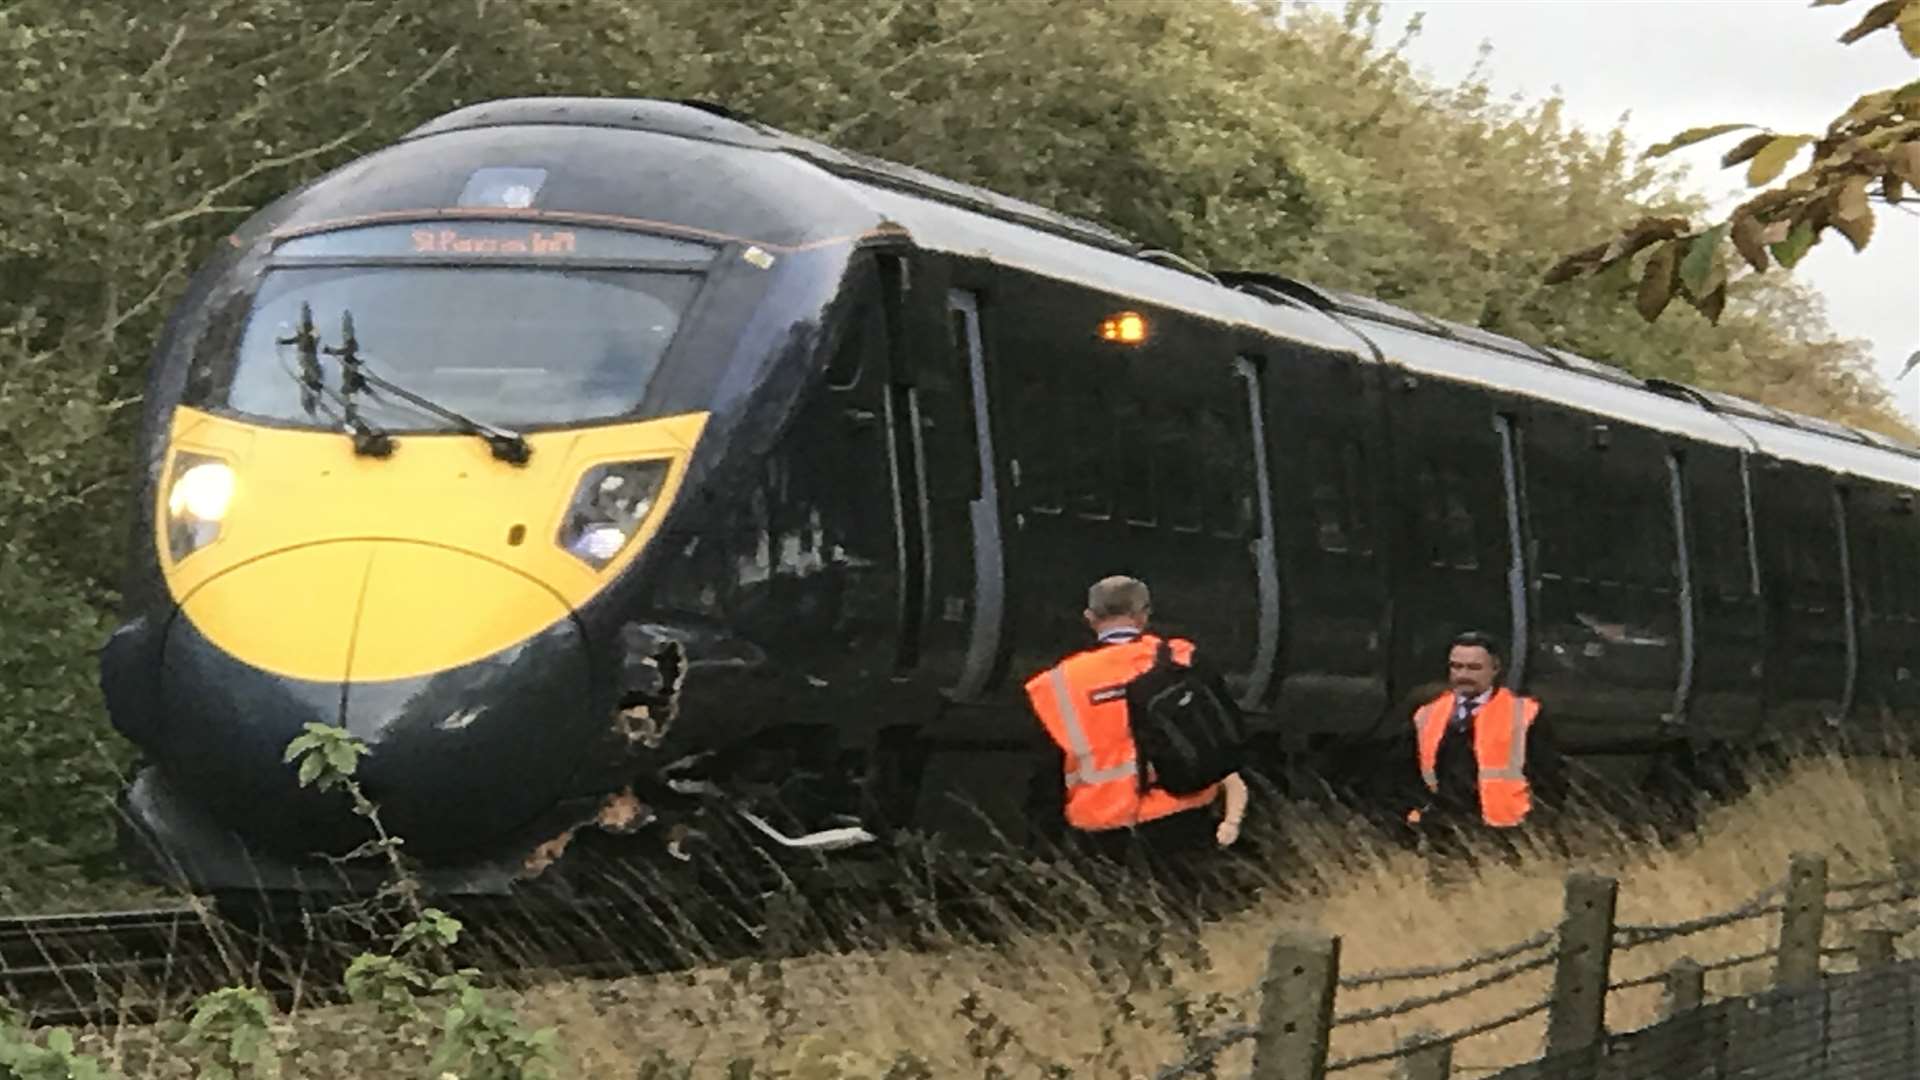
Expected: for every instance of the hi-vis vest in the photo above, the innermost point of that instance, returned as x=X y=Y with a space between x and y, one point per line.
x=1499 y=746
x=1082 y=703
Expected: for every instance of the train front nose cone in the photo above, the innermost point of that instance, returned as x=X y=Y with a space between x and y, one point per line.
x=251 y=656
x=467 y=680
x=470 y=681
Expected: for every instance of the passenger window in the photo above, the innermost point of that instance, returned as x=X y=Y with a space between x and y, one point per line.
x=1462 y=547
x=1358 y=499
x=1090 y=453
x=1326 y=496
x=1226 y=459
x=1181 y=466
x=1136 y=462
x=1038 y=415
x=1432 y=514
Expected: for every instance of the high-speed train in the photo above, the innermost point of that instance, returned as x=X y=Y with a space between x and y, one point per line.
x=615 y=466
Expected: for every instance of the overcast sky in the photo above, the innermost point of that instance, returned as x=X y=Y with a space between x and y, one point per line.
x=1676 y=64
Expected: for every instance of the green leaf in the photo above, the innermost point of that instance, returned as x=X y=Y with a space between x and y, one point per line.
x=1774 y=157
x=310 y=769
x=300 y=745
x=1697 y=269
x=1794 y=247
x=1691 y=136
x=1910 y=29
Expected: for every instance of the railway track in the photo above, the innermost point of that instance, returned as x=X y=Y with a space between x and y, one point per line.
x=136 y=967
x=74 y=968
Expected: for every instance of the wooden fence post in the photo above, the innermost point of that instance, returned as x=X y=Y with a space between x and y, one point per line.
x=1426 y=1058
x=1874 y=947
x=1803 y=922
x=1577 y=1017
x=1296 y=1007
x=1686 y=987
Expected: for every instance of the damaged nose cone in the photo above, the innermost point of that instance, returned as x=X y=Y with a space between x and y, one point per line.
x=652 y=673
x=620 y=814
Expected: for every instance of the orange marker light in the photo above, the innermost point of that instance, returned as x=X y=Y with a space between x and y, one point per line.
x=1128 y=326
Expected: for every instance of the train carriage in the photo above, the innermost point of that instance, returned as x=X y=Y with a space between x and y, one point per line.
x=614 y=461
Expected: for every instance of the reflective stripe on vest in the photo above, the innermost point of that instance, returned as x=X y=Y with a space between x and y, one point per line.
x=1504 y=795
x=1077 y=740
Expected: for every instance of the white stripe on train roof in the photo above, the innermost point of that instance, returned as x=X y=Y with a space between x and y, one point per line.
x=966 y=232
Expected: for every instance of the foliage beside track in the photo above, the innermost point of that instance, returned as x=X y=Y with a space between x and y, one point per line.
x=1083 y=970
x=136 y=134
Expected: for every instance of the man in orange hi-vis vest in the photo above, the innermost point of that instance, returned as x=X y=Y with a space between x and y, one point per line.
x=1483 y=755
x=1081 y=702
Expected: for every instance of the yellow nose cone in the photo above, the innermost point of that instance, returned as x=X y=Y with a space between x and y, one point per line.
x=369 y=611
x=290 y=613
x=429 y=609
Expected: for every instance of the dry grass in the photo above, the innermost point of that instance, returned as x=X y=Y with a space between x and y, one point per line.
x=1125 y=993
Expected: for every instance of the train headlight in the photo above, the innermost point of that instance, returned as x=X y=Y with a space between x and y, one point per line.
x=199 y=493
x=610 y=503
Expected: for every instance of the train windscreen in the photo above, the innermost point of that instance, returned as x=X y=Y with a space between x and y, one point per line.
x=517 y=346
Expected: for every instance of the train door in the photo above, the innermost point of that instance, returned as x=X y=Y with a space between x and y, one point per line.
x=809 y=561
x=965 y=582
x=968 y=766
x=1885 y=537
x=1327 y=455
x=1729 y=639
x=1133 y=457
x=1609 y=638
x=1810 y=656
x=1456 y=472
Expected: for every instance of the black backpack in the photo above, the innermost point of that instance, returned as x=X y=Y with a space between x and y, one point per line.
x=1187 y=731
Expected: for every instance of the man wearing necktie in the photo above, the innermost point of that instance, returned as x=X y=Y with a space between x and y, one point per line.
x=1484 y=759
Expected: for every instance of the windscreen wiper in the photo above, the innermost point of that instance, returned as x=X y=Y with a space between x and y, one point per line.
x=368 y=440
x=508 y=446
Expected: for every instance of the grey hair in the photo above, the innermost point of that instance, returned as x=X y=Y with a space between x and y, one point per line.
x=1118 y=595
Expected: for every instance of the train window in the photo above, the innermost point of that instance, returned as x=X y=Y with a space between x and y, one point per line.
x=1899 y=550
x=1038 y=411
x=1090 y=452
x=1448 y=519
x=1359 y=508
x=862 y=344
x=1463 y=549
x=506 y=345
x=1906 y=567
x=1226 y=453
x=1870 y=579
x=1181 y=469
x=1325 y=494
x=1135 y=462
x=1655 y=564
x=963 y=324
x=1431 y=502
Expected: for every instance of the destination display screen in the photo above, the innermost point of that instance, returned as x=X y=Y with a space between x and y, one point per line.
x=484 y=240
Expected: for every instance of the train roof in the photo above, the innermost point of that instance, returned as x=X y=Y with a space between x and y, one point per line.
x=945 y=214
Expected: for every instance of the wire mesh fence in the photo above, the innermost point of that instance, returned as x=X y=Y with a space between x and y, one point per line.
x=1828 y=998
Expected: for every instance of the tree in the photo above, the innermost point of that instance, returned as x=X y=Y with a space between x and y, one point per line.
x=1869 y=153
